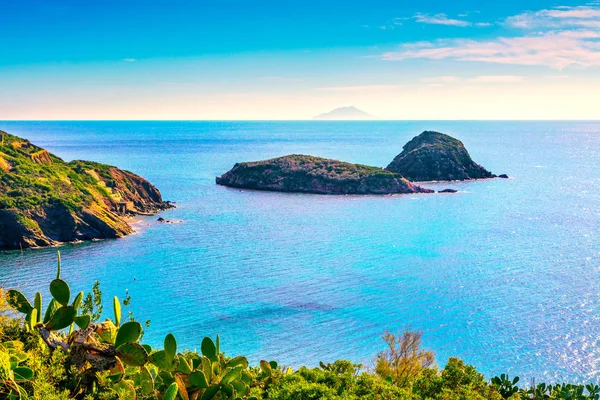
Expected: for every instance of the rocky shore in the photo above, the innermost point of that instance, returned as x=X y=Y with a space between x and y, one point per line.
x=434 y=156
x=431 y=156
x=46 y=201
x=308 y=174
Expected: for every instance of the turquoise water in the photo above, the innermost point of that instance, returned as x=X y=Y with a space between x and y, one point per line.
x=504 y=274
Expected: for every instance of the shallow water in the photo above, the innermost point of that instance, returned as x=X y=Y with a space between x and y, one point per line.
x=503 y=274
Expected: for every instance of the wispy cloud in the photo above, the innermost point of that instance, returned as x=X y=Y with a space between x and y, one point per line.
x=393 y=24
x=560 y=17
x=556 y=38
x=482 y=79
x=433 y=19
x=129 y=60
x=439 y=19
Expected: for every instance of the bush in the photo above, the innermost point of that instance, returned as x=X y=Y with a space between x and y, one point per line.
x=403 y=360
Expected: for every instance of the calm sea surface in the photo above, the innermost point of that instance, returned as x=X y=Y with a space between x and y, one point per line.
x=504 y=274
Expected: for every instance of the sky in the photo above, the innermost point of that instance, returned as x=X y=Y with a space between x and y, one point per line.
x=265 y=59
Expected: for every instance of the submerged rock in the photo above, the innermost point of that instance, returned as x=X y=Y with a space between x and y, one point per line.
x=434 y=156
x=308 y=174
x=448 y=191
x=46 y=201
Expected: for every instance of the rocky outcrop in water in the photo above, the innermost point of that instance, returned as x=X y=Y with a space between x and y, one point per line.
x=46 y=201
x=434 y=156
x=308 y=174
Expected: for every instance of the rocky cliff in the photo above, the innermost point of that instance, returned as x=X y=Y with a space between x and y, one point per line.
x=308 y=174
x=46 y=201
x=434 y=156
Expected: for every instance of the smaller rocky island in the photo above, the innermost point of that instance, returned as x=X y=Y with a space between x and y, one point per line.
x=45 y=201
x=308 y=174
x=434 y=156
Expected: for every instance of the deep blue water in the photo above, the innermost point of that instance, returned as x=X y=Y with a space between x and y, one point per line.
x=504 y=274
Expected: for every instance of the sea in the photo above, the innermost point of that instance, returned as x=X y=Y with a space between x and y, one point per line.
x=504 y=274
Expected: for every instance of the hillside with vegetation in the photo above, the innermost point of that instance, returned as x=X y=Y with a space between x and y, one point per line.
x=45 y=201
x=309 y=174
x=60 y=350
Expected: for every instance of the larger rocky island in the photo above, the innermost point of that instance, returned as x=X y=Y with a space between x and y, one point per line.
x=431 y=156
x=46 y=201
x=308 y=174
x=434 y=156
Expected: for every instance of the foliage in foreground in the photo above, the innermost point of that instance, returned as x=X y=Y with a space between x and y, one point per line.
x=62 y=352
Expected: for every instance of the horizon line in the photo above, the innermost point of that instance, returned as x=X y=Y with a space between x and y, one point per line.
x=311 y=120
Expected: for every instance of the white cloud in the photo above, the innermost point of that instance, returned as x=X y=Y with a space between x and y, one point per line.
x=129 y=60
x=486 y=79
x=560 y=17
x=439 y=19
x=556 y=38
x=393 y=24
x=557 y=50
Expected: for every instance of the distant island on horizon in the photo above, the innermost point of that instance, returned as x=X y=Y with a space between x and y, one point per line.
x=345 y=113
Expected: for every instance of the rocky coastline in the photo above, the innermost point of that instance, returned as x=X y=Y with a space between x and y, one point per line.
x=309 y=174
x=45 y=201
x=430 y=156
x=434 y=156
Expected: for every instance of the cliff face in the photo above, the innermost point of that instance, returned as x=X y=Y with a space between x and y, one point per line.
x=434 y=156
x=308 y=174
x=45 y=201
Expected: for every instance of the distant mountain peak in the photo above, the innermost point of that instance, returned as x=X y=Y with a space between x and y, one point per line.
x=344 y=113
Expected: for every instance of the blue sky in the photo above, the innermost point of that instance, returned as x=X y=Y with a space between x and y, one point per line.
x=241 y=59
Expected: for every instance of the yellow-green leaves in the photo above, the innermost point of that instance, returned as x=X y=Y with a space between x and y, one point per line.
x=37 y=304
x=208 y=348
x=162 y=361
x=232 y=375
x=107 y=331
x=170 y=346
x=82 y=321
x=239 y=360
x=198 y=379
x=62 y=318
x=52 y=307
x=171 y=392
x=61 y=292
x=128 y=332
x=210 y=392
x=132 y=354
x=19 y=302
x=117 y=310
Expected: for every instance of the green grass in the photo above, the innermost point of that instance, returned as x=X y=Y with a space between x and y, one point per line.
x=29 y=185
